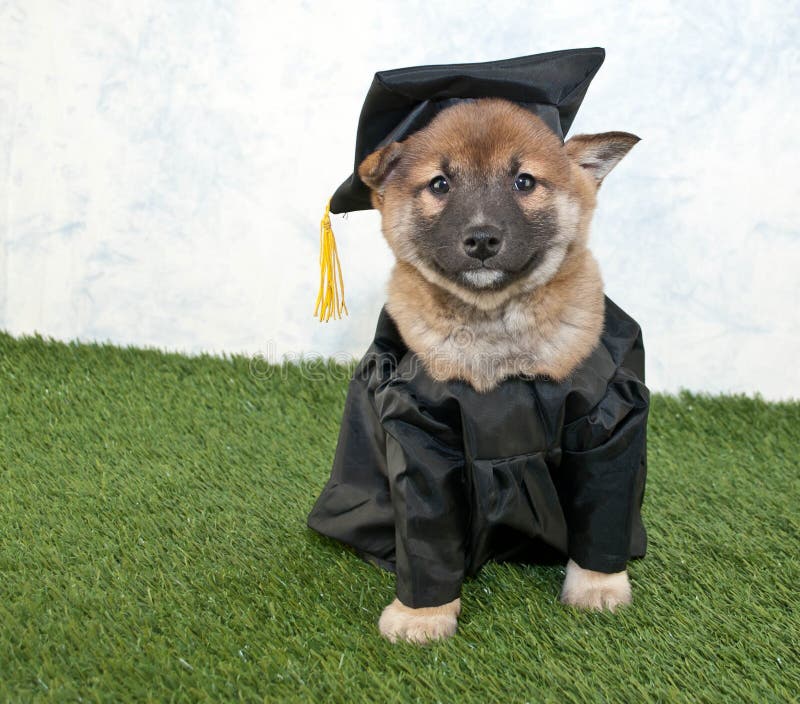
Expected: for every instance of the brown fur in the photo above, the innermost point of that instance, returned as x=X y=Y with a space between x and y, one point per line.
x=545 y=323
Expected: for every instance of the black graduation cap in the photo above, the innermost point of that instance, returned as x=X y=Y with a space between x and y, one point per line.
x=402 y=101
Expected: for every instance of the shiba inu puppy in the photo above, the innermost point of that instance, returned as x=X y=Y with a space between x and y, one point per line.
x=487 y=213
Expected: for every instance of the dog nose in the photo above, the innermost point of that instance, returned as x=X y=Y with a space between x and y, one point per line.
x=483 y=242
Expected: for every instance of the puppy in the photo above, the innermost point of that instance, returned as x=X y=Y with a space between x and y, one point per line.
x=488 y=214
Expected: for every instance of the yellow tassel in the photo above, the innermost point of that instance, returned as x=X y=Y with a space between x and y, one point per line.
x=330 y=299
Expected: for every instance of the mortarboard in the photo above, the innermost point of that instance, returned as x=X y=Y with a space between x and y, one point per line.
x=402 y=101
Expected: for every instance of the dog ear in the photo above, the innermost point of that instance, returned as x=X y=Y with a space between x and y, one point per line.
x=599 y=153
x=375 y=169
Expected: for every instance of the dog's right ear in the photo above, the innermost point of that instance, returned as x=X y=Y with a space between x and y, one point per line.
x=375 y=169
x=597 y=154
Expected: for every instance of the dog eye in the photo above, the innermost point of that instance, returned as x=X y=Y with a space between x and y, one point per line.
x=524 y=182
x=439 y=185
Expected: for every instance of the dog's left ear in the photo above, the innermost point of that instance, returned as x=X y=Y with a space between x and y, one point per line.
x=375 y=169
x=599 y=153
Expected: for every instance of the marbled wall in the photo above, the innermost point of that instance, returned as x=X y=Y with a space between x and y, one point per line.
x=163 y=168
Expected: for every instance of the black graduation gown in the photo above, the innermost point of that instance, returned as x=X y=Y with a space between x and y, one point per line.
x=431 y=480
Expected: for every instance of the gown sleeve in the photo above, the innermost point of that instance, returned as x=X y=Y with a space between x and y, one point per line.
x=604 y=465
x=355 y=506
x=425 y=468
x=397 y=492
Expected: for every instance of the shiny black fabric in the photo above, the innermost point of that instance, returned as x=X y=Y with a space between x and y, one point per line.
x=431 y=480
x=402 y=101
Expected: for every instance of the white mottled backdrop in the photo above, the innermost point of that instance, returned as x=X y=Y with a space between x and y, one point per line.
x=164 y=165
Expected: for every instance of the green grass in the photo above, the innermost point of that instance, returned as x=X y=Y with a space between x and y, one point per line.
x=154 y=548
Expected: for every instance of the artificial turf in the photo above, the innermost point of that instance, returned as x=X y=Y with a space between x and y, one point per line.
x=154 y=548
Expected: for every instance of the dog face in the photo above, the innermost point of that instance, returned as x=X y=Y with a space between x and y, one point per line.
x=486 y=200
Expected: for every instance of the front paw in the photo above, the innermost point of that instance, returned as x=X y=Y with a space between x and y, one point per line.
x=401 y=622
x=595 y=590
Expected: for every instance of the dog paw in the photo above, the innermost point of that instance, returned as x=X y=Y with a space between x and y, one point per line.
x=595 y=590
x=400 y=622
